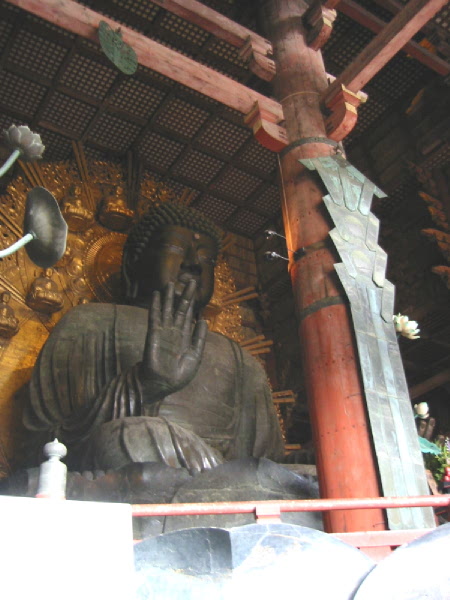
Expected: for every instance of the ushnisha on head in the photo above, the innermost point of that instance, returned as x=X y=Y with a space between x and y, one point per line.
x=171 y=243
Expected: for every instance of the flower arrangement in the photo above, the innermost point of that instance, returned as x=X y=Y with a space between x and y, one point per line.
x=405 y=327
x=438 y=462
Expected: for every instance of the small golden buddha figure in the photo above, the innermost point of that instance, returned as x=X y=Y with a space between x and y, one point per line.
x=75 y=267
x=9 y=324
x=77 y=216
x=79 y=285
x=114 y=213
x=44 y=295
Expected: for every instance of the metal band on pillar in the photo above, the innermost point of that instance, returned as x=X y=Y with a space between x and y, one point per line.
x=308 y=140
x=320 y=304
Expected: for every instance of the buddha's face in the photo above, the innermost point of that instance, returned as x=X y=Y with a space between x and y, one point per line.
x=178 y=255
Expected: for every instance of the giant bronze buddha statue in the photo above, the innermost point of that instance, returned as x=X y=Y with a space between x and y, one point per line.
x=145 y=381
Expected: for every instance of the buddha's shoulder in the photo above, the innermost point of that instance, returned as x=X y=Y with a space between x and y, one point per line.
x=225 y=344
x=219 y=340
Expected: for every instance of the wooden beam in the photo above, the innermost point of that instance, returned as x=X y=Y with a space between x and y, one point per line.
x=85 y=22
x=220 y=26
x=367 y=19
x=429 y=384
x=385 y=45
x=394 y=7
x=254 y=48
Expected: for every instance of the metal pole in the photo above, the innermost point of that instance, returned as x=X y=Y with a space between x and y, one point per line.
x=322 y=505
x=17 y=245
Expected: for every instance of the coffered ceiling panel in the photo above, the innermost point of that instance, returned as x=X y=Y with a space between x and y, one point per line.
x=197 y=167
x=221 y=137
x=134 y=97
x=215 y=208
x=68 y=114
x=36 y=54
x=181 y=118
x=113 y=132
x=85 y=75
x=235 y=183
x=159 y=152
x=20 y=96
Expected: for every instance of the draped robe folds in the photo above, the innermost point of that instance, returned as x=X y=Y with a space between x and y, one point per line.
x=85 y=390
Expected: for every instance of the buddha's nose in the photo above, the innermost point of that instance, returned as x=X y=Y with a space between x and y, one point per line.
x=191 y=262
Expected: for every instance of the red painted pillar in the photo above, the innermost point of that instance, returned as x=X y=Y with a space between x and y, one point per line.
x=345 y=458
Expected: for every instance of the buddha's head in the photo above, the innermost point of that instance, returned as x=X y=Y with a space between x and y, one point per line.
x=171 y=243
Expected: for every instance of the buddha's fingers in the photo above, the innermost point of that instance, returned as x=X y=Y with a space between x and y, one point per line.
x=152 y=344
x=183 y=312
x=154 y=314
x=187 y=327
x=199 y=337
x=167 y=309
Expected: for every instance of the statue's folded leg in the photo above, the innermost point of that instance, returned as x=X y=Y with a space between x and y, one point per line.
x=147 y=439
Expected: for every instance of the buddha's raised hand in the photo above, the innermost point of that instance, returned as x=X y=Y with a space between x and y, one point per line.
x=173 y=349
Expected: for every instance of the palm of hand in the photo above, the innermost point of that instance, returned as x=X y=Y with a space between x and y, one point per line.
x=173 y=351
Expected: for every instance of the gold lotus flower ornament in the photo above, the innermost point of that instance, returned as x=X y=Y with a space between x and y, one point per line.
x=405 y=327
x=24 y=143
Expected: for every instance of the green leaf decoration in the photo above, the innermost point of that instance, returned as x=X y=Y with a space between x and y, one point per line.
x=427 y=447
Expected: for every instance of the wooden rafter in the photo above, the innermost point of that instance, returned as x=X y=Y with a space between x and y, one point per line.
x=262 y=114
x=394 y=7
x=217 y=24
x=365 y=18
x=255 y=48
x=342 y=98
x=85 y=22
x=429 y=384
x=385 y=45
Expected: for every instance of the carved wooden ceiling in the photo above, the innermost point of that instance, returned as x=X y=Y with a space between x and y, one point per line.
x=65 y=89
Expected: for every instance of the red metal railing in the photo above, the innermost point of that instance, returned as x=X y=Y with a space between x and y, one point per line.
x=278 y=506
x=377 y=544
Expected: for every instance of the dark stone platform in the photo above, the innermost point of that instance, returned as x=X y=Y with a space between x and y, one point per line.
x=282 y=560
x=253 y=561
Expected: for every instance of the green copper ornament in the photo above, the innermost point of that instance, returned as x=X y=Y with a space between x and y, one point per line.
x=119 y=53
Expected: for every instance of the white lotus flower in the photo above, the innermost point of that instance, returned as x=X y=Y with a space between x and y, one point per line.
x=405 y=327
x=422 y=410
x=24 y=143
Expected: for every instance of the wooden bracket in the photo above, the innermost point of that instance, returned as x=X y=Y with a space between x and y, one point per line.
x=266 y=129
x=319 y=21
x=259 y=62
x=442 y=238
x=444 y=274
x=342 y=108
